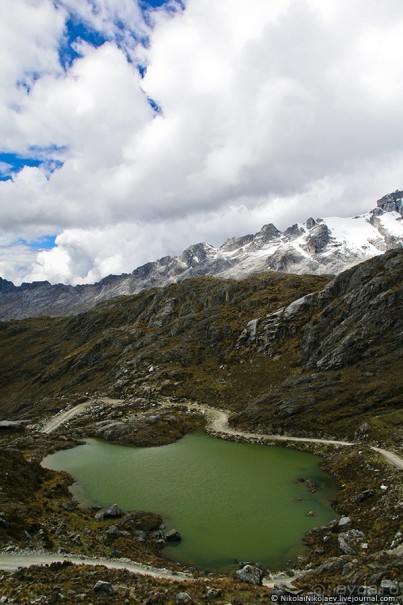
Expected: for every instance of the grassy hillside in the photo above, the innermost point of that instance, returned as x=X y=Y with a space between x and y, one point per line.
x=178 y=340
x=333 y=366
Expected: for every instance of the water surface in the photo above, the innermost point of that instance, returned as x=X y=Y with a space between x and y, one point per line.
x=228 y=500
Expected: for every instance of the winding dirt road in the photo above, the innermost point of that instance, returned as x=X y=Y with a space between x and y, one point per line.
x=12 y=562
x=217 y=424
x=64 y=417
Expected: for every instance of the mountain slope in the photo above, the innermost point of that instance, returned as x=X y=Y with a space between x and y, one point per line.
x=322 y=246
x=348 y=338
x=324 y=357
x=183 y=333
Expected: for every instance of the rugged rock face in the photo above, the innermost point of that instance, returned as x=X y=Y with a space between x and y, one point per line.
x=392 y=202
x=329 y=359
x=319 y=357
x=321 y=246
x=147 y=429
x=346 y=320
x=325 y=361
x=178 y=341
x=345 y=343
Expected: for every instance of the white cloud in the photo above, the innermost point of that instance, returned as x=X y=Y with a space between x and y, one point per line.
x=271 y=111
x=29 y=35
x=14 y=260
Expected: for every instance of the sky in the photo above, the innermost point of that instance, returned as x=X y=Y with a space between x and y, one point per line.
x=131 y=129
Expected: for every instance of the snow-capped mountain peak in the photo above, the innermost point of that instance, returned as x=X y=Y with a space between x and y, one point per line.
x=318 y=246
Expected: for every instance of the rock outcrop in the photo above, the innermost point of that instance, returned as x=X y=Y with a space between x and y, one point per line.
x=392 y=202
x=250 y=574
x=344 y=347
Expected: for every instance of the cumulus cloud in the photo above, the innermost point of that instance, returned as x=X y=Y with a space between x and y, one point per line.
x=269 y=112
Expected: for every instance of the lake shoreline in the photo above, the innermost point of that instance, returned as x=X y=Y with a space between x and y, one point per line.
x=357 y=469
x=181 y=498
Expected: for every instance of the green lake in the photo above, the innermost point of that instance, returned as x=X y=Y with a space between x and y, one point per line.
x=228 y=500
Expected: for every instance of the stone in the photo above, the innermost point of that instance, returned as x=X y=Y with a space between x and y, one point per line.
x=250 y=574
x=113 y=512
x=62 y=551
x=112 y=533
x=173 y=536
x=344 y=522
x=348 y=568
x=213 y=593
x=367 y=493
x=183 y=598
x=350 y=541
x=105 y=587
x=287 y=588
x=69 y=506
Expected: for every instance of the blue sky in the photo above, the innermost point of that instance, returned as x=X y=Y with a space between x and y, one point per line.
x=131 y=129
x=75 y=31
x=46 y=242
x=11 y=163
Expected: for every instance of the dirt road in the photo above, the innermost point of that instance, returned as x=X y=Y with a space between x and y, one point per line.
x=218 y=423
x=12 y=562
x=64 y=417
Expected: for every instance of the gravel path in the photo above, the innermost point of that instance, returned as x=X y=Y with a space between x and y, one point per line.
x=12 y=562
x=218 y=424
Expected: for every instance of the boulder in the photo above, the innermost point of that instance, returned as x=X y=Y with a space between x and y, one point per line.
x=286 y=588
x=367 y=493
x=113 y=512
x=140 y=535
x=112 y=533
x=350 y=541
x=250 y=574
x=213 y=593
x=173 y=536
x=105 y=587
x=344 y=523
x=183 y=598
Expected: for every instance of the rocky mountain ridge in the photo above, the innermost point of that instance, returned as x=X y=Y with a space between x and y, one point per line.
x=320 y=357
x=293 y=354
x=321 y=246
x=348 y=339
